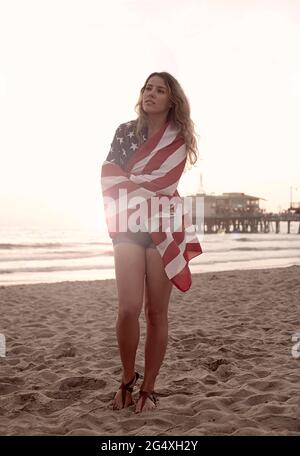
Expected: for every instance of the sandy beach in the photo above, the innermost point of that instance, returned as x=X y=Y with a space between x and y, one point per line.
x=228 y=370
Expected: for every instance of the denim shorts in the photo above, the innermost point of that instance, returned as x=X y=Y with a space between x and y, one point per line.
x=140 y=238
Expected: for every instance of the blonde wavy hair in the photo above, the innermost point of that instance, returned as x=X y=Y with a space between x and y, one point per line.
x=179 y=113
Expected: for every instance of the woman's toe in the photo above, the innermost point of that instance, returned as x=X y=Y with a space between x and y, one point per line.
x=149 y=405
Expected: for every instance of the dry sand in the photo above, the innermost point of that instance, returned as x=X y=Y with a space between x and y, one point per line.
x=228 y=370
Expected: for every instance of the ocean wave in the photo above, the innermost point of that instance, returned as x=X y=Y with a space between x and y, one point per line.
x=294 y=260
x=50 y=256
x=48 y=245
x=265 y=249
x=39 y=245
x=56 y=268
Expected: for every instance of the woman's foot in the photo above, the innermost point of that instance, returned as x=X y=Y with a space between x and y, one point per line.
x=123 y=397
x=147 y=401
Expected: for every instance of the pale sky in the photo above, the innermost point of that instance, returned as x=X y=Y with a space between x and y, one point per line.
x=71 y=72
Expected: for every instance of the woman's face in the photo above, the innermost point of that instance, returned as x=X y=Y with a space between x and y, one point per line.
x=155 y=99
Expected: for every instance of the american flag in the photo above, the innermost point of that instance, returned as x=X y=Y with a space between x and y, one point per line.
x=153 y=171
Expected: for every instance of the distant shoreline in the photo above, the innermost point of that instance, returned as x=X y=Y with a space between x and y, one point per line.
x=194 y=274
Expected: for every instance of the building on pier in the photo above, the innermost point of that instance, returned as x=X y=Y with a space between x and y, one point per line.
x=294 y=208
x=240 y=213
x=231 y=203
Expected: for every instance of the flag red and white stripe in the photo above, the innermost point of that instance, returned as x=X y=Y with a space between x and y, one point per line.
x=154 y=170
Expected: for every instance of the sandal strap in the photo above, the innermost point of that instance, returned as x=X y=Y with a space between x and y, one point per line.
x=128 y=387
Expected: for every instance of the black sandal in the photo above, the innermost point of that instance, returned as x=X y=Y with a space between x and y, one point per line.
x=147 y=395
x=128 y=387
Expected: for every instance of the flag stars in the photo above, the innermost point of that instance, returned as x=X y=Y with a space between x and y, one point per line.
x=133 y=146
x=120 y=139
x=131 y=134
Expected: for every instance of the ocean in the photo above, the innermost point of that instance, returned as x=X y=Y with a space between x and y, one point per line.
x=34 y=255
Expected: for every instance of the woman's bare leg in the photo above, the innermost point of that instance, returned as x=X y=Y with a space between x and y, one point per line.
x=157 y=295
x=130 y=274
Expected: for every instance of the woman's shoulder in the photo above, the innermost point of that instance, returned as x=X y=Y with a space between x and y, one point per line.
x=126 y=126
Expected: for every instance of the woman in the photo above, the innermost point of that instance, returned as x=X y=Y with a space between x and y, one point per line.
x=147 y=158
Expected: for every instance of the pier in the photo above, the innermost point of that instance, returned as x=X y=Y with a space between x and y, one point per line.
x=240 y=213
x=260 y=223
